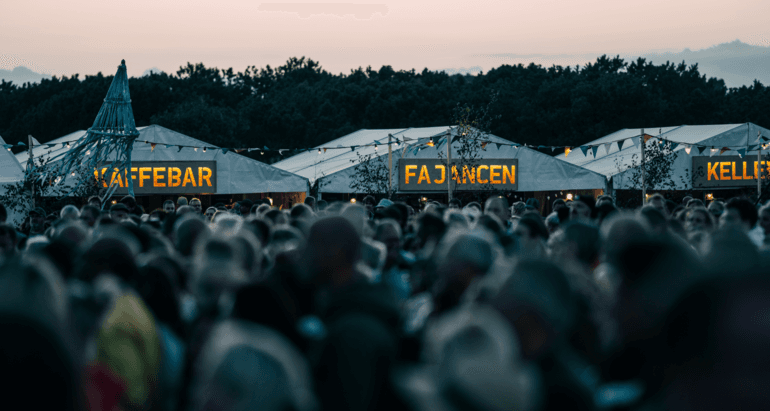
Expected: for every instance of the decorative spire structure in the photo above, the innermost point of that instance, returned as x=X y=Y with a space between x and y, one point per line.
x=109 y=141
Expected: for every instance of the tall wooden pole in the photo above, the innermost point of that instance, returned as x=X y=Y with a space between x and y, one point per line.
x=449 y=166
x=759 y=165
x=644 y=183
x=31 y=163
x=390 y=167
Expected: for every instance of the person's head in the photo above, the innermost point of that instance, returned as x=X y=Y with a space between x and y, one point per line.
x=659 y=202
x=322 y=204
x=95 y=201
x=301 y=211
x=455 y=204
x=130 y=202
x=498 y=207
x=89 y=214
x=3 y=214
x=210 y=213
x=119 y=212
x=181 y=201
x=698 y=219
x=244 y=207
x=388 y=232
x=686 y=200
x=716 y=208
x=69 y=212
x=695 y=203
x=333 y=247
x=169 y=207
x=37 y=220
x=739 y=212
x=195 y=203
x=582 y=208
x=604 y=199
x=532 y=234
x=262 y=209
x=576 y=242
x=310 y=202
x=7 y=239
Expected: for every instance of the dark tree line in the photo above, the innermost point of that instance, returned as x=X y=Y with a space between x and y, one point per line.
x=301 y=105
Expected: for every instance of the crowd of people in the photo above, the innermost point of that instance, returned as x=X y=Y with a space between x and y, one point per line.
x=384 y=306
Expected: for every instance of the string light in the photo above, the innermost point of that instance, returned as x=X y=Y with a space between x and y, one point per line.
x=319 y=151
x=88 y=152
x=68 y=145
x=375 y=147
x=204 y=149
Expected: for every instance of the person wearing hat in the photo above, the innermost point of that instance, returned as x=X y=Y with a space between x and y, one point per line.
x=119 y=212
x=37 y=221
x=384 y=203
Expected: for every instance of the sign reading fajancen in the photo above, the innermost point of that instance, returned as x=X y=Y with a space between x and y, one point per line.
x=431 y=175
x=163 y=177
x=727 y=171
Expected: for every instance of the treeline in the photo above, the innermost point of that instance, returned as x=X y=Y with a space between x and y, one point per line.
x=299 y=104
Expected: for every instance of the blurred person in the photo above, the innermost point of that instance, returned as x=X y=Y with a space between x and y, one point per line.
x=388 y=232
x=36 y=222
x=552 y=222
x=310 y=202
x=322 y=204
x=517 y=209
x=698 y=219
x=686 y=200
x=582 y=208
x=244 y=207
x=740 y=213
x=658 y=202
x=169 y=207
x=301 y=211
x=455 y=204
x=89 y=214
x=464 y=260
x=69 y=212
x=8 y=241
x=716 y=208
x=262 y=209
x=185 y=209
x=95 y=201
x=604 y=199
x=498 y=207
x=210 y=213
x=130 y=202
x=695 y=203
x=195 y=203
x=119 y=212
x=655 y=218
x=764 y=223
x=532 y=235
x=276 y=217
x=181 y=201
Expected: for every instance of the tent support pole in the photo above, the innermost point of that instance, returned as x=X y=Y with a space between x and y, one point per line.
x=759 y=164
x=390 y=166
x=644 y=183
x=31 y=163
x=448 y=166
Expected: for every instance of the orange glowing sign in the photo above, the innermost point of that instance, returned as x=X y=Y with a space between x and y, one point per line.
x=431 y=175
x=162 y=177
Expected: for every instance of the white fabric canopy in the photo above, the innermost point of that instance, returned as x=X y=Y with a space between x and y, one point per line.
x=236 y=174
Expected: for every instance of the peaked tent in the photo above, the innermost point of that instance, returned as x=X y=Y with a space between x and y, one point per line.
x=10 y=169
x=236 y=174
x=620 y=165
x=335 y=169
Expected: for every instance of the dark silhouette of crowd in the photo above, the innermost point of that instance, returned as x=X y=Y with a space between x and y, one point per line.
x=383 y=306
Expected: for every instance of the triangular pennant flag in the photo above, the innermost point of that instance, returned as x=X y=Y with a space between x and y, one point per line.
x=152 y=146
x=647 y=137
x=687 y=149
x=722 y=151
x=594 y=149
x=7 y=145
x=250 y=149
x=584 y=149
x=765 y=138
x=636 y=141
x=169 y=145
x=196 y=149
x=553 y=149
x=620 y=144
x=224 y=151
x=674 y=145
x=239 y=150
x=713 y=151
x=180 y=148
x=540 y=147
x=455 y=138
x=50 y=145
x=741 y=152
x=324 y=149
x=701 y=149
x=498 y=145
x=566 y=151
x=484 y=145
x=265 y=148
x=607 y=148
x=281 y=151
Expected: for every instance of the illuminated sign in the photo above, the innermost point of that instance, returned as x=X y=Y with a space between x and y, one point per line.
x=727 y=171
x=431 y=174
x=163 y=177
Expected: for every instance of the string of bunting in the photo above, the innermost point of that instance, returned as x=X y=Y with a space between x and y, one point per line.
x=438 y=141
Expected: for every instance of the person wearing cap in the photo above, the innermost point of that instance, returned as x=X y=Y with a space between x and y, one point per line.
x=37 y=221
x=119 y=212
x=384 y=203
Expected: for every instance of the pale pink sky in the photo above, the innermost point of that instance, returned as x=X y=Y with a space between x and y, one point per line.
x=86 y=36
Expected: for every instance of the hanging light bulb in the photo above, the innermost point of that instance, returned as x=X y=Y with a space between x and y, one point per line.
x=68 y=145
x=204 y=149
x=262 y=153
x=195 y=149
x=375 y=147
x=88 y=152
x=319 y=151
x=9 y=149
x=73 y=174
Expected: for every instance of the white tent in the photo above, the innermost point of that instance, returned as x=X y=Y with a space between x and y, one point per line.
x=335 y=168
x=619 y=164
x=236 y=174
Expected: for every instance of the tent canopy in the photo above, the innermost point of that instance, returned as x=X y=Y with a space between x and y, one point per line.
x=10 y=169
x=335 y=169
x=236 y=174
x=621 y=164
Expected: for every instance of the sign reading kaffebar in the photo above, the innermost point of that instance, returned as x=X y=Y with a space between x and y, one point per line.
x=431 y=174
x=727 y=171
x=163 y=177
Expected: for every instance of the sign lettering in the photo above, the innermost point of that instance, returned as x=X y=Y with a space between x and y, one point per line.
x=162 y=177
x=729 y=171
x=431 y=174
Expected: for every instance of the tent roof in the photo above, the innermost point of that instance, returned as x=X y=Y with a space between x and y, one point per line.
x=537 y=171
x=10 y=169
x=617 y=161
x=313 y=166
x=236 y=174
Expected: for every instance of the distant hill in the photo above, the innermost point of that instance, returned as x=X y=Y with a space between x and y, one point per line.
x=737 y=63
x=21 y=75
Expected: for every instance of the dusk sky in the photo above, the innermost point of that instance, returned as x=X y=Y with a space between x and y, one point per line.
x=84 y=36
